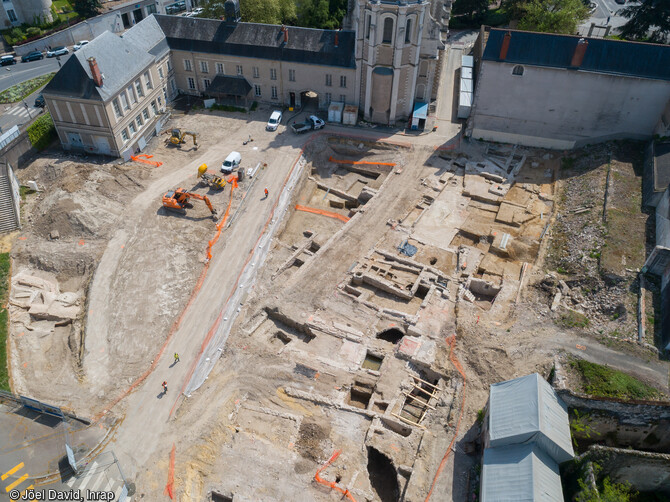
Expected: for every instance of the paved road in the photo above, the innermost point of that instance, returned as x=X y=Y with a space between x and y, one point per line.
x=20 y=72
x=605 y=9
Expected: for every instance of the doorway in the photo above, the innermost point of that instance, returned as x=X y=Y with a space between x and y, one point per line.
x=291 y=99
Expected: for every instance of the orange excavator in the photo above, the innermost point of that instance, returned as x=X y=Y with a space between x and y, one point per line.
x=178 y=201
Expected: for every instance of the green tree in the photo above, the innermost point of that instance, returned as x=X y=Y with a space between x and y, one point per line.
x=87 y=8
x=553 y=16
x=609 y=492
x=213 y=9
x=475 y=9
x=647 y=20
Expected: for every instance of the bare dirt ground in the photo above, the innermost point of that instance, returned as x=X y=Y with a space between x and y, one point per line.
x=344 y=342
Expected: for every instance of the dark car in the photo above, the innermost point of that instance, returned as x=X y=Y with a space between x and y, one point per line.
x=39 y=102
x=7 y=60
x=32 y=56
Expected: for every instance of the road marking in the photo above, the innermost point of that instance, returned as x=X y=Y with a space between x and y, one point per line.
x=11 y=471
x=23 y=493
x=16 y=483
x=88 y=478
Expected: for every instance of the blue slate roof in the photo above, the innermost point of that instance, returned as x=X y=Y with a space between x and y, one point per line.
x=603 y=56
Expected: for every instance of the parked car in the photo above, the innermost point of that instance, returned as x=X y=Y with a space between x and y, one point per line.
x=231 y=163
x=7 y=60
x=275 y=120
x=57 y=51
x=79 y=45
x=39 y=102
x=32 y=56
x=312 y=123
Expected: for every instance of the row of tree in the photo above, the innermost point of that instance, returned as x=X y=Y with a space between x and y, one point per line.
x=647 y=20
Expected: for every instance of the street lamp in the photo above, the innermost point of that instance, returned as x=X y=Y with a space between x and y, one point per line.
x=22 y=99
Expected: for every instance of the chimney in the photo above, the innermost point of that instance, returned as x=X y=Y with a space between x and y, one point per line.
x=285 y=30
x=95 y=72
x=505 y=46
x=337 y=38
x=580 y=51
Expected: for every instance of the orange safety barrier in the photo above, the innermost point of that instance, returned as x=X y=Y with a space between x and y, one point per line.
x=169 y=487
x=332 y=484
x=451 y=341
x=143 y=156
x=219 y=226
x=321 y=212
x=361 y=162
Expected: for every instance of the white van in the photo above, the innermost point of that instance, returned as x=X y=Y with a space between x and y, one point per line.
x=231 y=163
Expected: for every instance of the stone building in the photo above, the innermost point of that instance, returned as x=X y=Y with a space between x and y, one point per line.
x=562 y=91
x=17 y=12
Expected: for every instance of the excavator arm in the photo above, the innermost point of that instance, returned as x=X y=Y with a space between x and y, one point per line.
x=205 y=199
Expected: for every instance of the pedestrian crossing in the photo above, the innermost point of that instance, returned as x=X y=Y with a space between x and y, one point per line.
x=20 y=111
x=99 y=478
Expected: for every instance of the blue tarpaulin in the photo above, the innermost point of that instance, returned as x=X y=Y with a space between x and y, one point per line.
x=407 y=249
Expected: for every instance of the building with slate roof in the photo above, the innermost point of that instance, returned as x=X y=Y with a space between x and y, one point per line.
x=562 y=91
x=526 y=436
x=393 y=47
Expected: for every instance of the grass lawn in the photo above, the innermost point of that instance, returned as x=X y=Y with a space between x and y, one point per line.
x=603 y=381
x=20 y=91
x=4 y=320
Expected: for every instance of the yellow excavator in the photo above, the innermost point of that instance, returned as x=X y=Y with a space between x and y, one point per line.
x=213 y=180
x=177 y=137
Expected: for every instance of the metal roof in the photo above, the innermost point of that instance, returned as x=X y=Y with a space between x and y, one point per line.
x=519 y=473
x=526 y=410
x=602 y=55
x=420 y=110
x=119 y=61
x=232 y=85
x=262 y=41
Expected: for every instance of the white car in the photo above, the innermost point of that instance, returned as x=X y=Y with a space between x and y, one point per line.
x=275 y=120
x=79 y=45
x=317 y=123
x=57 y=51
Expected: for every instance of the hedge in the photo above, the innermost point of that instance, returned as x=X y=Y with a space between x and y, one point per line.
x=42 y=132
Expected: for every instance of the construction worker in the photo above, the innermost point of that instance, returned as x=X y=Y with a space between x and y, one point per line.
x=266 y=193
x=164 y=387
x=176 y=357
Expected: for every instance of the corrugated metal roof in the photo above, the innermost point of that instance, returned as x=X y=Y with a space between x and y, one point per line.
x=602 y=55
x=519 y=473
x=526 y=410
x=263 y=41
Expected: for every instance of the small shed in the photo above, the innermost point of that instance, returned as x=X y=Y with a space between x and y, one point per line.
x=466 y=72
x=464 y=104
x=350 y=115
x=229 y=86
x=419 y=115
x=335 y=112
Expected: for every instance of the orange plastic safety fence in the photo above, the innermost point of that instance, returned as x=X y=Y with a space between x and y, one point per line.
x=451 y=341
x=332 y=484
x=221 y=224
x=142 y=158
x=322 y=212
x=361 y=162
x=169 y=487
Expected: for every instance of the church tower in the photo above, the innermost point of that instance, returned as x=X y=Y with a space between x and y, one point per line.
x=399 y=52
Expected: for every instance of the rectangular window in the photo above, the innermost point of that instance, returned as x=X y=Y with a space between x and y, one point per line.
x=207 y=82
x=239 y=69
x=160 y=72
x=154 y=107
x=147 y=80
x=131 y=93
x=291 y=75
x=343 y=81
x=131 y=126
x=367 y=26
x=255 y=71
x=343 y=98
x=173 y=84
x=187 y=64
x=257 y=90
x=124 y=135
x=169 y=65
x=164 y=95
x=138 y=119
x=138 y=86
x=273 y=74
x=219 y=67
x=124 y=101
x=274 y=92
x=329 y=80
x=329 y=98
x=145 y=114
x=117 y=108
x=191 y=83
x=11 y=15
x=204 y=67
